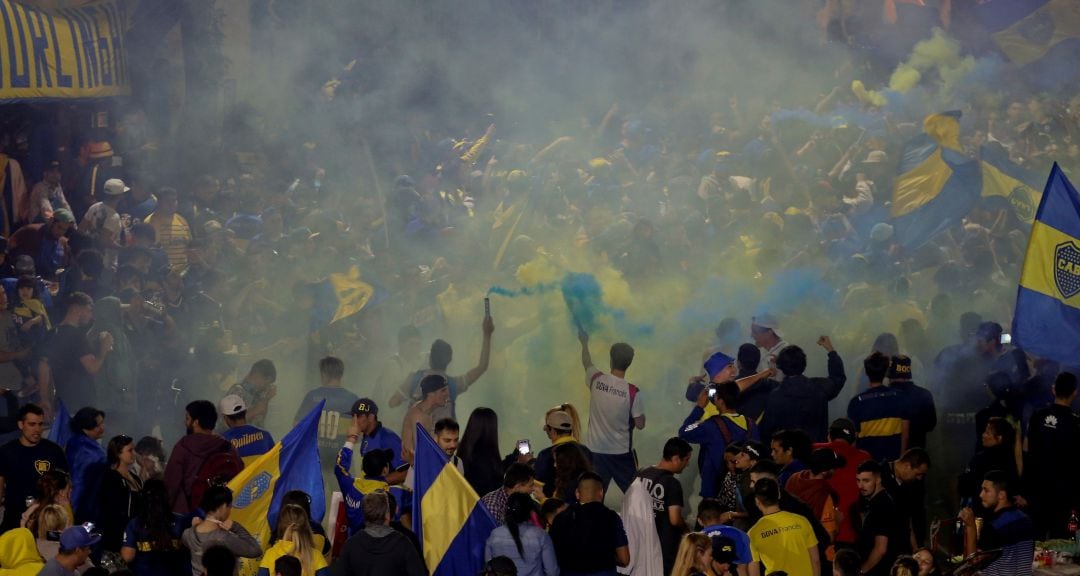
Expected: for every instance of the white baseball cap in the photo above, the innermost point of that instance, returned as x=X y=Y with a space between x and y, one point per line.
x=232 y=405
x=115 y=187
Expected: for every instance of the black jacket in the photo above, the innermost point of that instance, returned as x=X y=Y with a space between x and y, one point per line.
x=803 y=403
x=378 y=550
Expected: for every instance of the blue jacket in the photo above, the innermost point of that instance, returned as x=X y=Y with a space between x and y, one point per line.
x=86 y=458
x=803 y=403
x=713 y=442
x=353 y=490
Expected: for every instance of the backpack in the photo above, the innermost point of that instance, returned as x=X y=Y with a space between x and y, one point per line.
x=216 y=470
x=723 y=423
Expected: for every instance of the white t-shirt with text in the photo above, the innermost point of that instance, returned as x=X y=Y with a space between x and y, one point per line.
x=611 y=407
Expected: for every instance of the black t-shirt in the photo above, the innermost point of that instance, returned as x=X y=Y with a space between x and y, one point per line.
x=879 y=518
x=1054 y=433
x=21 y=466
x=585 y=537
x=74 y=385
x=665 y=491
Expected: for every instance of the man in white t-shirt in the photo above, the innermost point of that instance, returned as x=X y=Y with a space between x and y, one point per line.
x=614 y=412
x=102 y=222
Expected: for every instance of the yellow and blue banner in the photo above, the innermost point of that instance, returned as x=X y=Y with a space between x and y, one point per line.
x=64 y=52
x=448 y=517
x=1047 y=319
x=936 y=184
x=1004 y=179
x=1028 y=30
x=341 y=295
x=292 y=464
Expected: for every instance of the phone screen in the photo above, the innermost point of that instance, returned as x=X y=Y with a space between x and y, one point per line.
x=1006 y=338
x=524 y=447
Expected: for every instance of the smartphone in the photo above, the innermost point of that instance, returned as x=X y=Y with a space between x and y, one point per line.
x=712 y=392
x=1006 y=338
x=487 y=307
x=524 y=447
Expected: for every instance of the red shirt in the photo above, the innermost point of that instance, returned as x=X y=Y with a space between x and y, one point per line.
x=843 y=482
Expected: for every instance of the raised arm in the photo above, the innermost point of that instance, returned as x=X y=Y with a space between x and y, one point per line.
x=586 y=358
x=837 y=377
x=485 y=353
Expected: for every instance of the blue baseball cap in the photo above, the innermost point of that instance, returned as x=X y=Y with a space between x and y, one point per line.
x=716 y=363
x=81 y=536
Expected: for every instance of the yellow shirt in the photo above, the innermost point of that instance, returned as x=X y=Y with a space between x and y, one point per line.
x=174 y=236
x=283 y=548
x=782 y=541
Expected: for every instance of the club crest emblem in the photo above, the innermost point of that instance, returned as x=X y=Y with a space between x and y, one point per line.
x=42 y=466
x=253 y=490
x=1067 y=269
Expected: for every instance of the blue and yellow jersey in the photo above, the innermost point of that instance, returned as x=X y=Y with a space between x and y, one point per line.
x=878 y=414
x=250 y=442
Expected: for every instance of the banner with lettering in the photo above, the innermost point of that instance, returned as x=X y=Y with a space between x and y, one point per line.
x=63 y=52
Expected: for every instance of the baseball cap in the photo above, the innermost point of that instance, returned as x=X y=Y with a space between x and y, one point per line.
x=752 y=448
x=64 y=216
x=824 y=459
x=876 y=157
x=900 y=369
x=716 y=363
x=115 y=187
x=723 y=549
x=364 y=406
x=766 y=321
x=432 y=383
x=843 y=428
x=231 y=405
x=559 y=420
x=80 y=536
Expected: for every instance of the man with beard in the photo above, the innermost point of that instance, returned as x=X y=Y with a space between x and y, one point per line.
x=72 y=359
x=192 y=451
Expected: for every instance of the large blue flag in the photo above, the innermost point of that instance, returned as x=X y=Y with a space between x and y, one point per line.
x=1047 y=318
x=448 y=517
x=60 y=432
x=936 y=184
x=292 y=464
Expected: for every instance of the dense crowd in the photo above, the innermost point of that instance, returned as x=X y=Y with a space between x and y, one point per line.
x=725 y=237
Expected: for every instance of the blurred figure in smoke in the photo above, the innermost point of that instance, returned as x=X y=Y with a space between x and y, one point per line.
x=763 y=330
x=438 y=362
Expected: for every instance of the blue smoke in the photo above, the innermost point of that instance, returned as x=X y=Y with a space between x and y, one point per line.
x=584 y=299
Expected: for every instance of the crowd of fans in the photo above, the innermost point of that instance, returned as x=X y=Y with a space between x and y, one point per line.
x=136 y=305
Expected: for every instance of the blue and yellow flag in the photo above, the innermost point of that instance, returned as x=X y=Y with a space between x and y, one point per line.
x=60 y=432
x=1047 y=318
x=1028 y=30
x=936 y=184
x=448 y=517
x=339 y=296
x=292 y=464
x=1003 y=179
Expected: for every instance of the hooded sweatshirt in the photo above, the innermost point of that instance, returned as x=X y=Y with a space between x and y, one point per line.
x=378 y=550
x=187 y=457
x=18 y=554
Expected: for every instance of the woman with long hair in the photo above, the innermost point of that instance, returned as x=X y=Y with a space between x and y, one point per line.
x=294 y=538
x=479 y=451
x=55 y=488
x=118 y=499
x=694 y=556
x=529 y=547
x=570 y=463
x=151 y=547
x=52 y=520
